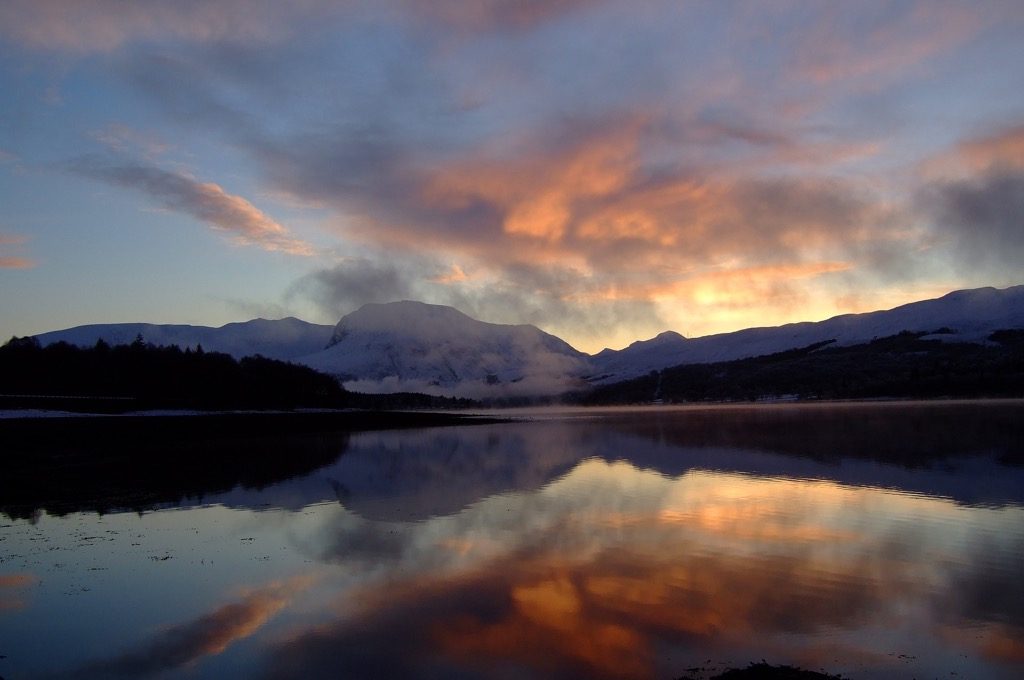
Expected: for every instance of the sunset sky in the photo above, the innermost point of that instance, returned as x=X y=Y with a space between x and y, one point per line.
x=605 y=170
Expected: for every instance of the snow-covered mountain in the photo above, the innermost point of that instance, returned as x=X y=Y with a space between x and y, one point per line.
x=284 y=339
x=413 y=346
x=971 y=315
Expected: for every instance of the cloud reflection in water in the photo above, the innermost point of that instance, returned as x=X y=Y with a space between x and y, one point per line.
x=612 y=571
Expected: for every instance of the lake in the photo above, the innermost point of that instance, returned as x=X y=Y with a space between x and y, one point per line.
x=873 y=540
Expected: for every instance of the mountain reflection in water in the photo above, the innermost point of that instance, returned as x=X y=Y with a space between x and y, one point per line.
x=872 y=540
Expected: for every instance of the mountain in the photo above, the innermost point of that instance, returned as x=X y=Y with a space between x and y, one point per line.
x=964 y=316
x=413 y=346
x=284 y=339
x=418 y=347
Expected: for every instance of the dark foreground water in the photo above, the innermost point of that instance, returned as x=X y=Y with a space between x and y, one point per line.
x=872 y=540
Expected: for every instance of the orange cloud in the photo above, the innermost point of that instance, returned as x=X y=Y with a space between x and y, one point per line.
x=454 y=275
x=585 y=218
x=244 y=223
x=1004 y=149
x=742 y=286
x=590 y=201
x=1000 y=150
x=537 y=195
x=14 y=261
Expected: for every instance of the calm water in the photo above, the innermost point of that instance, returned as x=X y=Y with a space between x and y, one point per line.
x=872 y=540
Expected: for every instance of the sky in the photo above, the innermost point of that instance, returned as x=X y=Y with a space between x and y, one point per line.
x=604 y=170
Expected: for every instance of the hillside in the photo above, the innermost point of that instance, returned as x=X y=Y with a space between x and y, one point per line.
x=906 y=365
x=967 y=316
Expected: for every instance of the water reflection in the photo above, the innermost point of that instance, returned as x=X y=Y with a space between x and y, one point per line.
x=873 y=541
x=614 y=571
x=211 y=634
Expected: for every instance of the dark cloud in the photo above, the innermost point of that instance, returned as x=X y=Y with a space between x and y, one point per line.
x=355 y=282
x=548 y=297
x=555 y=299
x=205 y=201
x=982 y=217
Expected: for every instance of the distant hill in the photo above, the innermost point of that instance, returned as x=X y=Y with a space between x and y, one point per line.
x=906 y=365
x=281 y=339
x=965 y=316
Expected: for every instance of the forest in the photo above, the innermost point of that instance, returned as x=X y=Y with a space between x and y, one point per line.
x=145 y=376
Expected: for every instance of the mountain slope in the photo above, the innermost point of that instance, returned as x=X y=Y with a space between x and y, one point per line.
x=413 y=346
x=971 y=314
x=283 y=339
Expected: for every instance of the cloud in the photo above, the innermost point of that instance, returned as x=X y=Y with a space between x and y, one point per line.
x=972 y=198
x=556 y=299
x=575 y=177
x=104 y=25
x=497 y=15
x=205 y=201
x=982 y=218
x=587 y=230
x=354 y=282
x=883 y=41
x=16 y=263
x=1002 y=149
x=123 y=138
x=591 y=194
x=13 y=242
x=208 y=635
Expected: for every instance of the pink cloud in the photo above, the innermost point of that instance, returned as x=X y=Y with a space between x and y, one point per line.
x=887 y=48
x=14 y=261
x=240 y=220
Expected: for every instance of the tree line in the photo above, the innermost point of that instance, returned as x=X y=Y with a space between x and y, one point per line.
x=143 y=375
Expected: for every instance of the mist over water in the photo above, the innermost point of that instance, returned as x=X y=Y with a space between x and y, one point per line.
x=875 y=540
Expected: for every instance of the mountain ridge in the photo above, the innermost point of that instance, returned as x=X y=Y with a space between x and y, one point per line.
x=283 y=339
x=416 y=346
